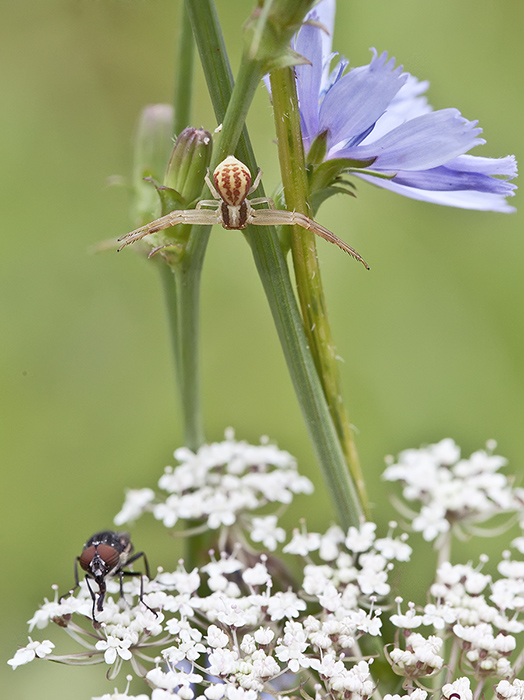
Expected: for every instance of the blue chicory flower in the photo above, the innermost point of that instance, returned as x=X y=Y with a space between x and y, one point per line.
x=377 y=112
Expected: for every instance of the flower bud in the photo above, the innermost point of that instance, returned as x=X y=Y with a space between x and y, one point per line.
x=188 y=164
x=153 y=142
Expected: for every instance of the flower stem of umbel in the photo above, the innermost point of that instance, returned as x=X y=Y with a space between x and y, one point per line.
x=307 y=269
x=268 y=256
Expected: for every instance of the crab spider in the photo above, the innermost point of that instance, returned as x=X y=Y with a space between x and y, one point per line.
x=232 y=209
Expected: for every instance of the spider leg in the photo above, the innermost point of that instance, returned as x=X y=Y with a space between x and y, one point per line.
x=183 y=216
x=263 y=200
x=211 y=186
x=156 y=250
x=211 y=203
x=272 y=217
x=326 y=234
x=256 y=183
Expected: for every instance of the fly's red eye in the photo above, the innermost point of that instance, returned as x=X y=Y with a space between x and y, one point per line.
x=108 y=554
x=87 y=557
x=104 y=556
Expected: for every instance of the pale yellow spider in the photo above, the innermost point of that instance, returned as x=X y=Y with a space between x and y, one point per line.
x=232 y=209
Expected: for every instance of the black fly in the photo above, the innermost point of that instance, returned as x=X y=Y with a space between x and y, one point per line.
x=105 y=554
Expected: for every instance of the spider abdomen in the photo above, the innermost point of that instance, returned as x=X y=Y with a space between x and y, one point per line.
x=232 y=180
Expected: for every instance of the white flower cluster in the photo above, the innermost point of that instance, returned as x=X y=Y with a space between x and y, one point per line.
x=480 y=615
x=452 y=492
x=242 y=625
x=233 y=629
x=218 y=484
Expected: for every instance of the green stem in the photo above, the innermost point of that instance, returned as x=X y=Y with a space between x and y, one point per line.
x=231 y=101
x=248 y=80
x=181 y=279
x=270 y=262
x=306 y=265
x=182 y=293
x=274 y=274
x=167 y=277
x=444 y=552
x=183 y=92
x=212 y=50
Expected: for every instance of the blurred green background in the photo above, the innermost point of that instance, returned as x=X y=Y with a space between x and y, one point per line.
x=431 y=338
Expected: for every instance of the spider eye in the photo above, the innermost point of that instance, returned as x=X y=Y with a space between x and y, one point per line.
x=232 y=180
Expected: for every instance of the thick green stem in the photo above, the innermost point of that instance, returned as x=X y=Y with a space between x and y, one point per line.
x=277 y=285
x=270 y=262
x=306 y=265
x=212 y=50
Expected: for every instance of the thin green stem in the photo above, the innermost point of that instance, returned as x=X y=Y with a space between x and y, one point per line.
x=181 y=281
x=478 y=690
x=182 y=294
x=446 y=674
x=169 y=287
x=183 y=91
x=306 y=265
x=231 y=101
x=451 y=666
x=270 y=262
x=444 y=551
x=188 y=287
x=247 y=82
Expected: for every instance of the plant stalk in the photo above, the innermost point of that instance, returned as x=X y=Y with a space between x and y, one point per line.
x=181 y=278
x=306 y=265
x=269 y=259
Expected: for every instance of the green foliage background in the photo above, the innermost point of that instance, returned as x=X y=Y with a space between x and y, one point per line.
x=431 y=338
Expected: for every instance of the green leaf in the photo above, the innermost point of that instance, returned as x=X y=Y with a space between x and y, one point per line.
x=269 y=31
x=320 y=196
x=285 y=59
x=170 y=199
x=326 y=173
